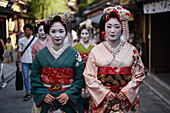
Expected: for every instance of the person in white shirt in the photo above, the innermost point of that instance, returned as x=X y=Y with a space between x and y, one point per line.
x=26 y=58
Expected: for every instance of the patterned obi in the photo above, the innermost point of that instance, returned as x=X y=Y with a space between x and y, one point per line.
x=57 y=79
x=114 y=78
x=84 y=57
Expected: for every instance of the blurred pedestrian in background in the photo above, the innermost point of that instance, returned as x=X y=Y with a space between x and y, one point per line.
x=84 y=47
x=57 y=71
x=18 y=36
x=114 y=70
x=2 y=55
x=43 y=39
x=95 y=36
x=25 y=53
x=9 y=49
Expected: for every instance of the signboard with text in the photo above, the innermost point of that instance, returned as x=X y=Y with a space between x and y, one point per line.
x=156 y=7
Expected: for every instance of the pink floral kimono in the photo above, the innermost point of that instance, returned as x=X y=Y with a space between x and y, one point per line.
x=38 y=45
x=115 y=70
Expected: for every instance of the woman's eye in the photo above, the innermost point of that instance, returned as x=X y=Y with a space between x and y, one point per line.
x=82 y=33
x=117 y=27
x=108 y=26
x=61 y=31
x=86 y=33
x=53 y=31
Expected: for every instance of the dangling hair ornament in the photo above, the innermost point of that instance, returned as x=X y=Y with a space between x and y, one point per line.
x=123 y=15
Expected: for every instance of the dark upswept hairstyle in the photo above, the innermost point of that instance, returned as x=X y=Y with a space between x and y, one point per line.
x=105 y=18
x=38 y=25
x=103 y=21
x=90 y=30
x=56 y=19
x=28 y=26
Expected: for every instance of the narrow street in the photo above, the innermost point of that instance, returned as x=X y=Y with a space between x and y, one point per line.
x=150 y=102
x=11 y=101
x=85 y=25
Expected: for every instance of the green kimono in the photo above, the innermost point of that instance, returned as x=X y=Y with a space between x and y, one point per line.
x=67 y=58
x=84 y=55
x=81 y=49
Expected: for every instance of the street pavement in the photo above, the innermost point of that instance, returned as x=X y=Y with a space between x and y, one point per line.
x=11 y=101
x=154 y=96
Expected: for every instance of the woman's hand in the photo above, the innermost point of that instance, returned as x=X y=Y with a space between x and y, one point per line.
x=49 y=99
x=121 y=96
x=110 y=96
x=63 y=98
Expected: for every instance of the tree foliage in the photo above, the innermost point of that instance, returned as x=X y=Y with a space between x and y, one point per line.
x=90 y=1
x=42 y=8
x=85 y=4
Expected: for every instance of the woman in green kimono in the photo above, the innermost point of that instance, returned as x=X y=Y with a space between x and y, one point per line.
x=84 y=47
x=56 y=76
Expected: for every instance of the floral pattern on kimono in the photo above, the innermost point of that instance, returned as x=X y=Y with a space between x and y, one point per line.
x=124 y=55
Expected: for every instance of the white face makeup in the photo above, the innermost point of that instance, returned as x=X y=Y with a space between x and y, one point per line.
x=113 y=29
x=41 y=32
x=57 y=33
x=85 y=35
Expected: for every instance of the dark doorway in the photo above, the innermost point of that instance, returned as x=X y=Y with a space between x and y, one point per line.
x=3 y=28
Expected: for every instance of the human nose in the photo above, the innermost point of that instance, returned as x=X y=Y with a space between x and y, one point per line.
x=57 y=34
x=82 y=35
x=43 y=32
x=112 y=29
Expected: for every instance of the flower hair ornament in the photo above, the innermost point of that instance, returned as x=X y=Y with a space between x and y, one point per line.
x=123 y=15
x=39 y=21
x=65 y=17
x=86 y=25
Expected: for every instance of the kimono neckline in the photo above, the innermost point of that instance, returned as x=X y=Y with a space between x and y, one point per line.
x=43 y=42
x=110 y=48
x=58 y=53
x=88 y=46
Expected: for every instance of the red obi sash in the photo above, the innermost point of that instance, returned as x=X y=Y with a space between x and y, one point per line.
x=57 y=79
x=114 y=78
x=114 y=70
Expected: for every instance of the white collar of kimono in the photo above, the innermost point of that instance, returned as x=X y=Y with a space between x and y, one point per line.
x=85 y=45
x=56 y=54
x=114 y=51
x=43 y=42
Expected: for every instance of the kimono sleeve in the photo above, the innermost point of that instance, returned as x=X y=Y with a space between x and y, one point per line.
x=138 y=75
x=38 y=89
x=97 y=91
x=74 y=92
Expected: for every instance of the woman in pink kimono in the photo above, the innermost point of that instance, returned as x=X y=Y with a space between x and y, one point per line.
x=43 y=39
x=114 y=69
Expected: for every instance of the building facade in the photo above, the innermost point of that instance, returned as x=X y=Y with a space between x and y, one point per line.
x=13 y=16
